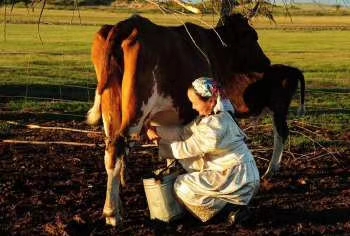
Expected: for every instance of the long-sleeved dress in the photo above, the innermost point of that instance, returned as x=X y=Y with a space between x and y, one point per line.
x=220 y=166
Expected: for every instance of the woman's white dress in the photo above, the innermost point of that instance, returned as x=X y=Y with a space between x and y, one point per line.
x=220 y=166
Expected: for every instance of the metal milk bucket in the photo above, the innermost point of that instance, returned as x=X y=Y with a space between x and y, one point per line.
x=161 y=199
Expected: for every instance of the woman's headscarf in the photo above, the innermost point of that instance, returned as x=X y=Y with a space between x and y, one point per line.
x=207 y=87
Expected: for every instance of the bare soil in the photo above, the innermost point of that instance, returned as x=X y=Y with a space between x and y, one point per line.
x=60 y=190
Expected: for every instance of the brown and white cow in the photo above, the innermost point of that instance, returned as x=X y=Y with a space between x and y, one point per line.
x=143 y=72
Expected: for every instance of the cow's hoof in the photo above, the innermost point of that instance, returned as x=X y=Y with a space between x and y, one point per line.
x=269 y=173
x=111 y=220
x=111 y=217
x=267 y=176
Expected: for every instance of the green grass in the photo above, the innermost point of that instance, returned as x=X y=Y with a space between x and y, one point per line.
x=29 y=68
x=324 y=56
x=28 y=105
x=64 y=56
x=5 y=129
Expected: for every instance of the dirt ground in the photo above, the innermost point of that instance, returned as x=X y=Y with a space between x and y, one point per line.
x=59 y=189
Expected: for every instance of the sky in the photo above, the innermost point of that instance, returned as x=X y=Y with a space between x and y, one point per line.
x=330 y=2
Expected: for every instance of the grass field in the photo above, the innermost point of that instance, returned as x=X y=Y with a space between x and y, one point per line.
x=56 y=75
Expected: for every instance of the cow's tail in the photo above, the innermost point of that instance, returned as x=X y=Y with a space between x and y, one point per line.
x=106 y=67
x=104 y=71
x=94 y=114
x=301 y=109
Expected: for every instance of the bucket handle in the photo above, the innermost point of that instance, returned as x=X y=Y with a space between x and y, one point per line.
x=164 y=169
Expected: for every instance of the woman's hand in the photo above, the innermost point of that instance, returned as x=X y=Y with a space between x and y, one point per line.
x=152 y=135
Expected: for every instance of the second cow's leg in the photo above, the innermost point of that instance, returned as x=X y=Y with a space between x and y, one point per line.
x=280 y=132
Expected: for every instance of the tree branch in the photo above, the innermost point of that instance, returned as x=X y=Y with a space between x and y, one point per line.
x=11 y=141
x=33 y=126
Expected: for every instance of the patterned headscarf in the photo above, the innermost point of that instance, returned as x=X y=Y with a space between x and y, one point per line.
x=205 y=87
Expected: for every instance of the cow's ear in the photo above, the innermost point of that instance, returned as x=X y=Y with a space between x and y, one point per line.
x=246 y=31
x=239 y=26
x=225 y=20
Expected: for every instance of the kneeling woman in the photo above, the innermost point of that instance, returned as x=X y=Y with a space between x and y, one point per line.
x=220 y=168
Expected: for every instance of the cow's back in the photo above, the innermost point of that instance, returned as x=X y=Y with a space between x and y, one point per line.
x=170 y=59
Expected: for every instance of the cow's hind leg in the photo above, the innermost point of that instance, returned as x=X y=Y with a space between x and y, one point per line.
x=280 y=130
x=113 y=155
x=113 y=165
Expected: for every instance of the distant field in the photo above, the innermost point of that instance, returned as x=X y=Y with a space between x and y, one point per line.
x=61 y=68
x=99 y=16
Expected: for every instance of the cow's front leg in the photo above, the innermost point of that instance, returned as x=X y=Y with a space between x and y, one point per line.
x=113 y=165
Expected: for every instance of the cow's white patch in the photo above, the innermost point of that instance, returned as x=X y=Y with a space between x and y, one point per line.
x=106 y=121
x=275 y=161
x=112 y=205
x=154 y=105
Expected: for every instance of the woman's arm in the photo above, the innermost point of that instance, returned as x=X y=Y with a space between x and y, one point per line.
x=204 y=139
x=152 y=135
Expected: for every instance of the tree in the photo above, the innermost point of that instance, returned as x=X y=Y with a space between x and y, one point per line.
x=250 y=8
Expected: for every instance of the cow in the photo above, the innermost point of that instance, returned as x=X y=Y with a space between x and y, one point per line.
x=143 y=71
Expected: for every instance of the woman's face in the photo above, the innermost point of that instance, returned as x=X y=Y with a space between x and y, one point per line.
x=204 y=108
